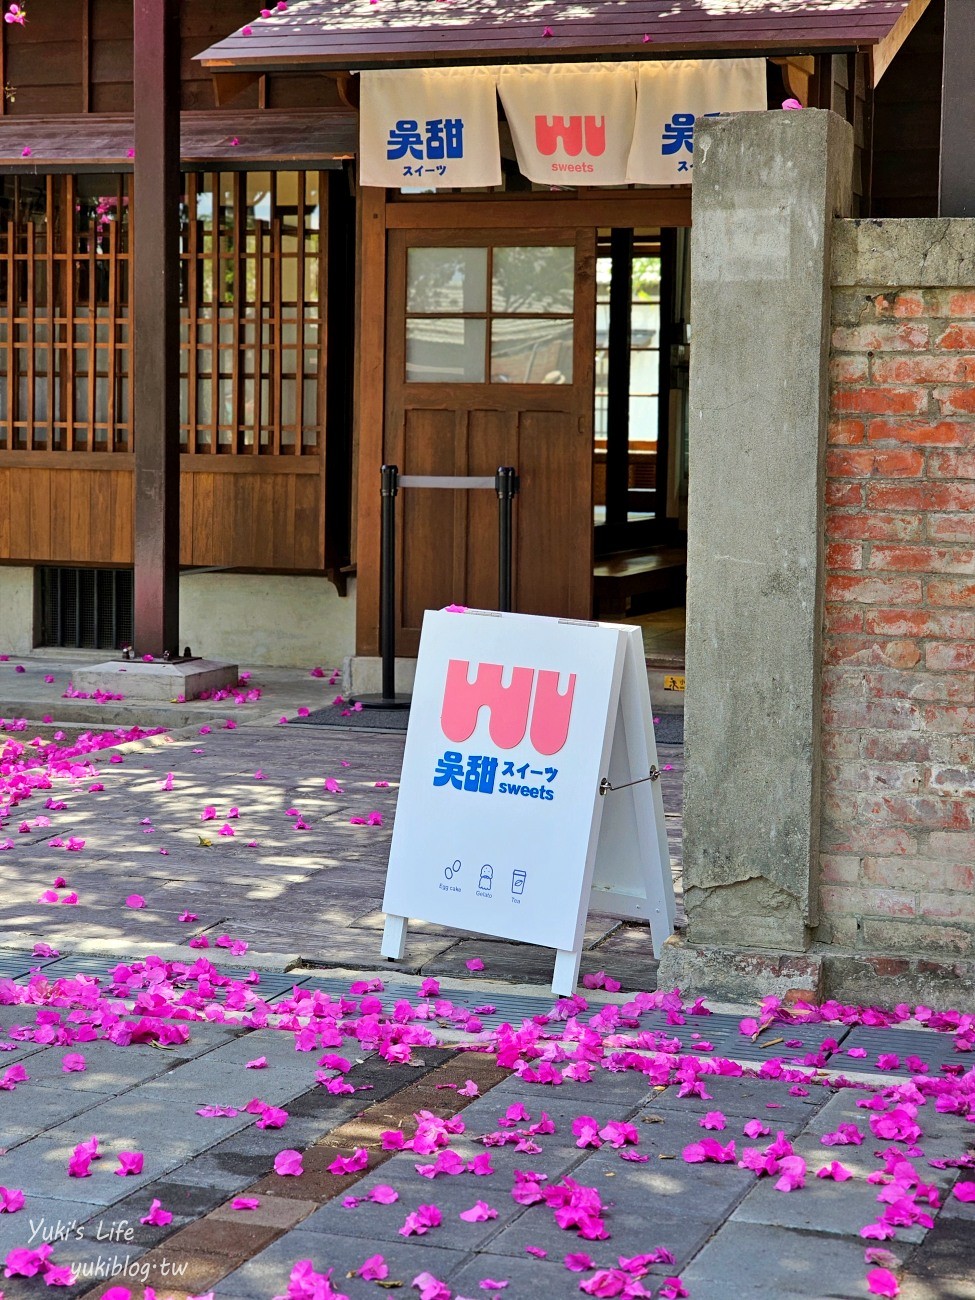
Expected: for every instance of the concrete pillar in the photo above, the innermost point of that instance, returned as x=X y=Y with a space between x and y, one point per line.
x=766 y=188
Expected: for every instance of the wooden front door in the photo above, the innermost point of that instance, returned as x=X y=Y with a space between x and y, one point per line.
x=490 y=347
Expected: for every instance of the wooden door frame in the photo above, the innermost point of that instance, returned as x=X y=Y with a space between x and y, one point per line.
x=379 y=215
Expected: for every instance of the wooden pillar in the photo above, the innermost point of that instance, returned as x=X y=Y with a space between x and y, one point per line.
x=155 y=366
x=956 y=196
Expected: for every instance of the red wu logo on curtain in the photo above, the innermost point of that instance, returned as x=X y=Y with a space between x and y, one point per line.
x=575 y=135
x=571 y=122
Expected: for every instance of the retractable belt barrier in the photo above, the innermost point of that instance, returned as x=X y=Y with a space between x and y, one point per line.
x=505 y=484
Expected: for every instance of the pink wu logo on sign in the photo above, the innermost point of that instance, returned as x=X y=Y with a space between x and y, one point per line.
x=509 y=706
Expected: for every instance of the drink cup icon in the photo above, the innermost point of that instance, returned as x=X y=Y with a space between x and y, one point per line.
x=518 y=878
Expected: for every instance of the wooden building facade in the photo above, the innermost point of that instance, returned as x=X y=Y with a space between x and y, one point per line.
x=297 y=305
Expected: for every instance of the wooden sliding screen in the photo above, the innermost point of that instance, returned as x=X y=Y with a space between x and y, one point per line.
x=252 y=349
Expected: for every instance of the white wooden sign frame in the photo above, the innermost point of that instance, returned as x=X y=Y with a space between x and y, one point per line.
x=596 y=839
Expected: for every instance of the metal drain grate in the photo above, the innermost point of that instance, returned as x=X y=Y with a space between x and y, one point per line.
x=935 y=1049
x=71 y=967
x=18 y=965
x=508 y=1007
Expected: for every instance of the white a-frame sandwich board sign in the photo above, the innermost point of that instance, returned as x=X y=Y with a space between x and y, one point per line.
x=528 y=792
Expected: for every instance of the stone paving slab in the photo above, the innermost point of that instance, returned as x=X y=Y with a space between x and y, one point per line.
x=770 y=1263
x=267 y=1274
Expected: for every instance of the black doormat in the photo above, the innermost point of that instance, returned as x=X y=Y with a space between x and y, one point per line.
x=668 y=729
x=338 y=715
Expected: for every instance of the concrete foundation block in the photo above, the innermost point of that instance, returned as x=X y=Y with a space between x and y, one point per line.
x=159 y=680
x=363 y=675
x=739 y=974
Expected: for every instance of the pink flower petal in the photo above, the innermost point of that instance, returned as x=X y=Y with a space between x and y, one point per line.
x=130 y=1162
x=880 y=1281
x=157 y=1217
x=245 y=1202
x=135 y=901
x=288 y=1164
x=475 y=963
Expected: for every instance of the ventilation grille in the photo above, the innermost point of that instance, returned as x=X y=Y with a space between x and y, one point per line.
x=88 y=609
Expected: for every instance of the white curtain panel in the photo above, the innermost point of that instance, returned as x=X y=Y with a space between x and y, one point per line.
x=671 y=94
x=429 y=128
x=571 y=123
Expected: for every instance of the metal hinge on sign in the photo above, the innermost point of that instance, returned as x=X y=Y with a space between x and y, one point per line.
x=605 y=786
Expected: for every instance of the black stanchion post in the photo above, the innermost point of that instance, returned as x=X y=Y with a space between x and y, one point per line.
x=506 y=485
x=387 y=598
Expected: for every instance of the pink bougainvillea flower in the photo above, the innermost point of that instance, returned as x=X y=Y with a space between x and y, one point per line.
x=845 y=1135
x=375 y=818
x=157 y=1217
x=964 y=1191
x=24 y=1262
x=208 y=814
x=188 y=916
x=673 y=1289
x=754 y=1128
x=839 y=1173
x=288 y=1164
x=79 y=1164
x=13 y=1075
x=383 y=1194
x=45 y=950
x=430 y=1287
x=880 y=1281
x=897 y=1125
x=423 y=1218
x=73 y=1062
x=489 y=1284
x=792 y=1171
x=475 y=963
x=579 y=1263
x=710 y=1149
x=135 y=900
x=11 y=1200
x=791 y=104
x=245 y=1202
x=373 y=1269
x=24 y=153
x=455 y=609
x=200 y=941
x=130 y=1162
x=258 y=1063
x=479 y=1212
x=714 y=1119
x=536 y=1251
x=218 y=1112
x=350 y=1164
x=382 y=785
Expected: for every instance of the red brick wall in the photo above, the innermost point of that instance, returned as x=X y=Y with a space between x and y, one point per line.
x=898 y=835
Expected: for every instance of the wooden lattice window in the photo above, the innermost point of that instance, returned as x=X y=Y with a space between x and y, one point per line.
x=253 y=329
x=64 y=313
x=252 y=309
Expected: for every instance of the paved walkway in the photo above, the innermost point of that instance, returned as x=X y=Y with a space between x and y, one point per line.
x=570 y=1139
